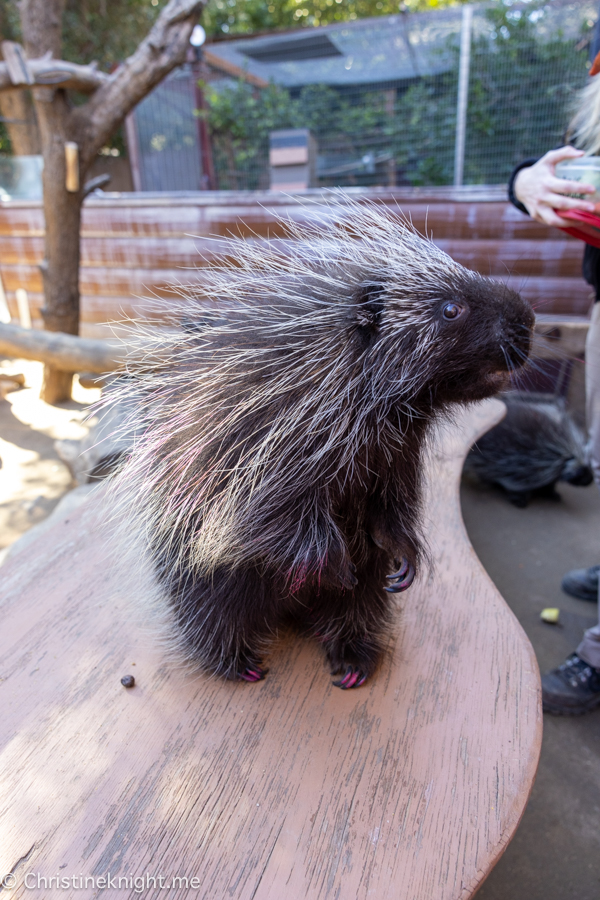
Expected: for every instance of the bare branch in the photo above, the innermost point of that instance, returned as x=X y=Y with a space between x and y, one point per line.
x=56 y=73
x=63 y=351
x=161 y=51
x=94 y=183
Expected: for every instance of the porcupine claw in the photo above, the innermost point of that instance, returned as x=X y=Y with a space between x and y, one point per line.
x=353 y=678
x=403 y=569
x=252 y=675
x=402 y=579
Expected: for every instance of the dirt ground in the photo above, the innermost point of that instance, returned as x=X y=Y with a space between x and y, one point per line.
x=32 y=477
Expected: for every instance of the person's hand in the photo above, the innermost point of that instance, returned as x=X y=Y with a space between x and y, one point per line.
x=541 y=192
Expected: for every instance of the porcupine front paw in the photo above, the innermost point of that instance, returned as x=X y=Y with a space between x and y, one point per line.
x=242 y=668
x=402 y=579
x=252 y=674
x=354 y=661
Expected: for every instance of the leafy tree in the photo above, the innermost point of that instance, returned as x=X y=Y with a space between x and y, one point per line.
x=72 y=133
x=248 y=16
x=105 y=31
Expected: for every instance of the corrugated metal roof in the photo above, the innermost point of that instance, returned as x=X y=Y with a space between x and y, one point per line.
x=384 y=49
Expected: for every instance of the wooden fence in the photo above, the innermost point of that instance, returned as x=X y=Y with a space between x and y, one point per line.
x=136 y=247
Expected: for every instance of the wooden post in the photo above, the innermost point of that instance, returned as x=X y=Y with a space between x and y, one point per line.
x=5 y=316
x=71 y=167
x=463 y=94
x=133 y=151
x=23 y=305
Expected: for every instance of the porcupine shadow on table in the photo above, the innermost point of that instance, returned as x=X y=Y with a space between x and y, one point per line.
x=407 y=789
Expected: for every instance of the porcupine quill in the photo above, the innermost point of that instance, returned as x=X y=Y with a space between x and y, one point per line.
x=276 y=470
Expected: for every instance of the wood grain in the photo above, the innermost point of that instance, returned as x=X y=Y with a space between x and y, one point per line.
x=408 y=788
x=138 y=245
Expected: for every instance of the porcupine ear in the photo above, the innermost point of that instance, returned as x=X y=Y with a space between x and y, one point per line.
x=369 y=305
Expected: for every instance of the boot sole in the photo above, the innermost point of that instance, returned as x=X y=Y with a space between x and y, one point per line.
x=556 y=710
x=589 y=598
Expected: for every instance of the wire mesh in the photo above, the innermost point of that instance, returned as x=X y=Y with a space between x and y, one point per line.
x=379 y=95
x=167 y=135
x=527 y=60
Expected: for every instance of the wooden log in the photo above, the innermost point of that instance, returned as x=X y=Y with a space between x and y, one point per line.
x=63 y=351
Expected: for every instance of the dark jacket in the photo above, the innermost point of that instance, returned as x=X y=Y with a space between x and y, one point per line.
x=591 y=255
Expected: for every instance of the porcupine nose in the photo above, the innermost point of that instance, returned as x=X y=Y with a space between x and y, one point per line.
x=576 y=473
x=517 y=327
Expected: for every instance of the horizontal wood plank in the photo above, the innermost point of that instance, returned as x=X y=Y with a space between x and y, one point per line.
x=138 y=245
x=556 y=258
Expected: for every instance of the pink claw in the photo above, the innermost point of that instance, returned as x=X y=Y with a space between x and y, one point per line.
x=351 y=679
x=252 y=675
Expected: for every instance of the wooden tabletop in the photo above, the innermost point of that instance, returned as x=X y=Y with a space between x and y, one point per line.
x=408 y=788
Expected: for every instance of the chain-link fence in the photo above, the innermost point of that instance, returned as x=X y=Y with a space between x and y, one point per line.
x=448 y=96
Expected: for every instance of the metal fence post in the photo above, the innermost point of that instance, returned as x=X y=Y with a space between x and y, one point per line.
x=463 y=94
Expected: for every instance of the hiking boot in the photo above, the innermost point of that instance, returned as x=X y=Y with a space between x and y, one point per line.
x=572 y=689
x=582 y=583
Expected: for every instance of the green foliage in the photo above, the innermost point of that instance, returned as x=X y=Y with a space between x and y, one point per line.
x=107 y=31
x=240 y=120
x=5 y=146
x=519 y=95
x=247 y=16
x=9 y=21
x=515 y=109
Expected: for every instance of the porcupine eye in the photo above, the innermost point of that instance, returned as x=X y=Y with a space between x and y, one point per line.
x=452 y=311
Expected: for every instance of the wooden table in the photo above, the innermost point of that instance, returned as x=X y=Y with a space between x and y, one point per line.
x=408 y=788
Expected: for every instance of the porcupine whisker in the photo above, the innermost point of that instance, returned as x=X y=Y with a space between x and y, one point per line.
x=511 y=368
x=533 y=364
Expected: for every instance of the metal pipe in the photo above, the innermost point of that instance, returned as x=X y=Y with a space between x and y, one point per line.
x=463 y=94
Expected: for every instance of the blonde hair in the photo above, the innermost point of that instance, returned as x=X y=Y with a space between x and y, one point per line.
x=584 y=128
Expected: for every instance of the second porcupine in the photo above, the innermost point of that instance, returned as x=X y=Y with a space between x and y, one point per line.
x=536 y=445
x=277 y=468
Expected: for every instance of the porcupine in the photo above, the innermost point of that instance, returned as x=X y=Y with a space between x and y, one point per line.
x=277 y=467
x=536 y=445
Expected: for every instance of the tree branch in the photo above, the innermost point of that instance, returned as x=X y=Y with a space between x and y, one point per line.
x=161 y=51
x=63 y=351
x=58 y=74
